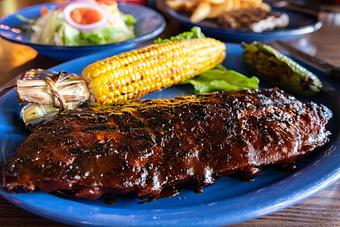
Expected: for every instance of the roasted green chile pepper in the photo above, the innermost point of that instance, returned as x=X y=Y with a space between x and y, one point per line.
x=280 y=70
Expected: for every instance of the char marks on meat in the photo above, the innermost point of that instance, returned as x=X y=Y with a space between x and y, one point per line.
x=145 y=146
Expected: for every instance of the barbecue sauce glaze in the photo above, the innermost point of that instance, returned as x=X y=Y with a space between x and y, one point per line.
x=145 y=146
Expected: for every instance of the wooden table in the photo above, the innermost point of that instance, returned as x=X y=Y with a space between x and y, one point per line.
x=323 y=209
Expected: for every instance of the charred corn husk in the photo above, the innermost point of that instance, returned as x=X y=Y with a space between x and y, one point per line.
x=33 y=87
x=280 y=70
x=136 y=73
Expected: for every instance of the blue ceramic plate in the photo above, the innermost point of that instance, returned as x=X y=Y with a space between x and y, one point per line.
x=299 y=24
x=149 y=25
x=227 y=201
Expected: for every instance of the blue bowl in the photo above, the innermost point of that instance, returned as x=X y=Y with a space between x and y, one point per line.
x=299 y=24
x=149 y=25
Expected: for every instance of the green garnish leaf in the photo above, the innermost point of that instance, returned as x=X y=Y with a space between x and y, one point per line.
x=194 y=33
x=222 y=79
x=129 y=19
x=217 y=79
x=24 y=19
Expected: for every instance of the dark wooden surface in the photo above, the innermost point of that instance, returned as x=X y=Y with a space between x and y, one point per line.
x=322 y=209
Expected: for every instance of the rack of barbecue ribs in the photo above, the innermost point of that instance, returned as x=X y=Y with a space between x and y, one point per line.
x=146 y=146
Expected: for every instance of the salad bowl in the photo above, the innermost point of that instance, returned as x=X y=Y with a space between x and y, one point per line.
x=149 y=24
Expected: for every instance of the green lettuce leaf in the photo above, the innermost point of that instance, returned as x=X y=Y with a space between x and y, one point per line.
x=129 y=19
x=101 y=36
x=222 y=79
x=217 y=79
x=69 y=34
x=194 y=33
x=24 y=19
x=97 y=37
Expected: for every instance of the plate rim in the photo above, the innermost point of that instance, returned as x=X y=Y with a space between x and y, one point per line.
x=135 y=40
x=300 y=193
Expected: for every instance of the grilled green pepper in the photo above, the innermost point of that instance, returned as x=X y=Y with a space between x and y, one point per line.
x=280 y=70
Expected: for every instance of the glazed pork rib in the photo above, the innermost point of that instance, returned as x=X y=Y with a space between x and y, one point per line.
x=143 y=147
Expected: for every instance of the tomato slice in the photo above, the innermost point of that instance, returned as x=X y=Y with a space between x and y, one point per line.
x=43 y=10
x=85 y=16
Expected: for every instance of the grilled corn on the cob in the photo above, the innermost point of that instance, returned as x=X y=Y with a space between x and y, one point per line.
x=129 y=75
x=136 y=73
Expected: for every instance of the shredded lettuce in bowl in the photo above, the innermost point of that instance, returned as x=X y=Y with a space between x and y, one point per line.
x=52 y=28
